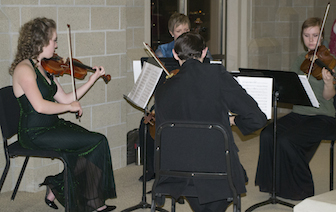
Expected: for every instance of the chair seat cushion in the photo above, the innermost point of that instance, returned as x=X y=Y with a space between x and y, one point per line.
x=15 y=149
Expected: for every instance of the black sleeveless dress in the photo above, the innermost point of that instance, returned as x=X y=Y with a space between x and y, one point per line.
x=90 y=173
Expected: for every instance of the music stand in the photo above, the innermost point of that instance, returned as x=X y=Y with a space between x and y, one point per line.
x=143 y=203
x=287 y=89
x=139 y=98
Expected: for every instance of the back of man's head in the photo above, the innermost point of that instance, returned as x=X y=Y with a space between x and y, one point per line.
x=189 y=45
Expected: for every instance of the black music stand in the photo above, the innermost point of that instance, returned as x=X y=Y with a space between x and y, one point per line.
x=287 y=88
x=143 y=203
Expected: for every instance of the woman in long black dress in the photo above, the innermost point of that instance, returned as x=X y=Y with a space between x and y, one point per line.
x=41 y=98
x=300 y=132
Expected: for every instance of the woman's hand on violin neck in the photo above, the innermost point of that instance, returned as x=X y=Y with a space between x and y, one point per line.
x=100 y=71
x=329 y=88
x=327 y=77
x=76 y=107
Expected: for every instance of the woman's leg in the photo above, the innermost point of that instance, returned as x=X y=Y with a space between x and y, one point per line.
x=297 y=140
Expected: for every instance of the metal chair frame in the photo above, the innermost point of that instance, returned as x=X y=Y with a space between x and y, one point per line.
x=9 y=120
x=159 y=172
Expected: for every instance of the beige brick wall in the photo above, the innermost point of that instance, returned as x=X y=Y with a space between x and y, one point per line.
x=104 y=32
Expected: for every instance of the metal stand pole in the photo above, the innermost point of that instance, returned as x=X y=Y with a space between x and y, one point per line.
x=143 y=204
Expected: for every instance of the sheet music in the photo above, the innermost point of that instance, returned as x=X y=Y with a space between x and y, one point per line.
x=145 y=85
x=309 y=90
x=260 y=89
x=136 y=69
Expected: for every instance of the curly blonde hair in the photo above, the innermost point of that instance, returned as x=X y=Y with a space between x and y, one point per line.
x=34 y=35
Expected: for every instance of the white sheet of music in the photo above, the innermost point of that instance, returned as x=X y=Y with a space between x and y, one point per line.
x=309 y=90
x=145 y=85
x=260 y=89
x=136 y=69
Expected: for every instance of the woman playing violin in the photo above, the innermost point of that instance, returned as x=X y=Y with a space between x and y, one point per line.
x=41 y=99
x=299 y=132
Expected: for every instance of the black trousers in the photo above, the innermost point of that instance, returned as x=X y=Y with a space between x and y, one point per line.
x=298 y=137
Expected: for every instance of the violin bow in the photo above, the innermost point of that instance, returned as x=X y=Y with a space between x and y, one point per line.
x=150 y=50
x=319 y=39
x=72 y=70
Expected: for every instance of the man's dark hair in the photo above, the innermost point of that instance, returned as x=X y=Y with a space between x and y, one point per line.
x=189 y=45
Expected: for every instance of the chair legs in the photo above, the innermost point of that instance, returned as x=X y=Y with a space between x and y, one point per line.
x=24 y=166
x=5 y=172
x=173 y=205
x=237 y=206
x=331 y=183
x=66 y=186
x=20 y=178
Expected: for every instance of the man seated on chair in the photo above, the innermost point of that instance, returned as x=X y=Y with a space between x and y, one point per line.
x=207 y=93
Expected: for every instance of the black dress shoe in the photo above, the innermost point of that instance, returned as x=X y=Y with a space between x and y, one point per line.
x=180 y=200
x=148 y=177
x=160 y=200
x=108 y=208
x=49 y=202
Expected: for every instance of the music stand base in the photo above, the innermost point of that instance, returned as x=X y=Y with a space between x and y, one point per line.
x=271 y=200
x=142 y=205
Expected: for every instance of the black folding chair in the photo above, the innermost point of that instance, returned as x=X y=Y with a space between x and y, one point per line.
x=195 y=147
x=9 y=120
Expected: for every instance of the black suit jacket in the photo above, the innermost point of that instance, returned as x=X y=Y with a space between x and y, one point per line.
x=206 y=93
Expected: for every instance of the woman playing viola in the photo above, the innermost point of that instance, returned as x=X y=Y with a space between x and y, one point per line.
x=41 y=99
x=300 y=132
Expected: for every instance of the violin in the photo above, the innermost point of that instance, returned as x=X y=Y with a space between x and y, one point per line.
x=58 y=66
x=319 y=56
x=323 y=59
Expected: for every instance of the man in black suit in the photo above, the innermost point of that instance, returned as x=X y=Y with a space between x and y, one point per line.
x=207 y=93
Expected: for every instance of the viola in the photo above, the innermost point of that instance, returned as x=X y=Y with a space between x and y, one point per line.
x=58 y=66
x=323 y=59
x=150 y=119
x=173 y=73
x=169 y=74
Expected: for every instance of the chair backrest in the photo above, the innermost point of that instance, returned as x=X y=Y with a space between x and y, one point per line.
x=9 y=112
x=192 y=147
